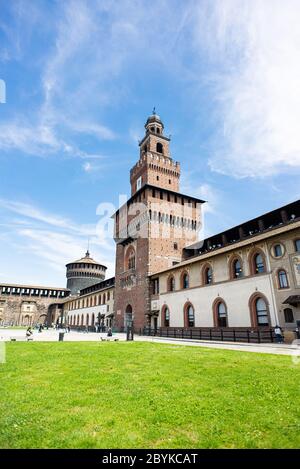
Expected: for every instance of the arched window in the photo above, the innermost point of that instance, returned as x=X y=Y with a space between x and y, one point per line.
x=259 y=265
x=171 y=283
x=185 y=280
x=221 y=315
x=166 y=317
x=87 y=320
x=130 y=258
x=277 y=249
x=207 y=275
x=297 y=245
x=261 y=310
x=236 y=268
x=282 y=279
x=82 y=319
x=189 y=320
x=288 y=315
x=93 y=319
x=159 y=148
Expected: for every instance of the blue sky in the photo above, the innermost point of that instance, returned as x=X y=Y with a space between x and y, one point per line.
x=81 y=78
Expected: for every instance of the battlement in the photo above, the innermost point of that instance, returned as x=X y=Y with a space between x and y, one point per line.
x=154 y=158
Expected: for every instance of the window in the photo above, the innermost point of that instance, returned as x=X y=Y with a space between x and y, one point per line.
x=221 y=315
x=139 y=183
x=190 y=316
x=288 y=315
x=175 y=246
x=259 y=264
x=261 y=312
x=130 y=259
x=157 y=178
x=208 y=275
x=166 y=317
x=282 y=279
x=237 y=270
x=171 y=283
x=185 y=281
x=155 y=286
x=159 y=148
x=277 y=250
x=297 y=245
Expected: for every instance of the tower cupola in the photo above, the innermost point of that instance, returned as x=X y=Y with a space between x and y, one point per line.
x=154 y=124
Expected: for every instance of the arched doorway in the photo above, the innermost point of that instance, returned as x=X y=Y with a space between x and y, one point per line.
x=42 y=319
x=128 y=319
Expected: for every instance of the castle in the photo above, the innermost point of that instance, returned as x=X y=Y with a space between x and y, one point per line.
x=245 y=277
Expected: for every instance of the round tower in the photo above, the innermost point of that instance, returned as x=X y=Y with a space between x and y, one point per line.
x=83 y=273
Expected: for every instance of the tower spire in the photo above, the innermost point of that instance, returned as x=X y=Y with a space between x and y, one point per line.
x=87 y=254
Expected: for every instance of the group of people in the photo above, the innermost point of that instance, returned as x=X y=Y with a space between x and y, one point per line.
x=279 y=337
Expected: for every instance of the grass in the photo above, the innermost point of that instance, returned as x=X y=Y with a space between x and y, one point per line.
x=144 y=395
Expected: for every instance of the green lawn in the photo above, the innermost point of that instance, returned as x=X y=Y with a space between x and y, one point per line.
x=144 y=395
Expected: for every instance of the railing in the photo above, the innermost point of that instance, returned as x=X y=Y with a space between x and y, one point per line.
x=233 y=334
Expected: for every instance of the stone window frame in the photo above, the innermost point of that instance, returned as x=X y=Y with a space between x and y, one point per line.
x=252 y=263
x=204 y=277
x=233 y=259
x=183 y=274
x=185 y=314
x=281 y=269
x=163 y=316
x=215 y=308
x=295 y=244
x=252 y=309
x=272 y=249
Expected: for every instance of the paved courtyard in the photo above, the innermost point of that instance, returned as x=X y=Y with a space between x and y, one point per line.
x=53 y=336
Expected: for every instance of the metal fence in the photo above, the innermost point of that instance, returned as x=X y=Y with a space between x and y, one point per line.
x=253 y=335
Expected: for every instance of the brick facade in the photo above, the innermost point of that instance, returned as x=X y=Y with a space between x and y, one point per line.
x=155 y=224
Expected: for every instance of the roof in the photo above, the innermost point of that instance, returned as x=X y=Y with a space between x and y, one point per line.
x=154 y=118
x=255 y=226
x=292 y=300
x=87 y=259
x=33 y=287
x=104 y=284
x=205 y=249
x=167 y=191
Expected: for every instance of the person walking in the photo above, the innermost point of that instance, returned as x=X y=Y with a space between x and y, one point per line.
x=278 y=334
x=29 y=333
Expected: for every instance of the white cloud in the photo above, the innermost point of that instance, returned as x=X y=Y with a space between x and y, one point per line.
x=253 y=48
x=51 y=239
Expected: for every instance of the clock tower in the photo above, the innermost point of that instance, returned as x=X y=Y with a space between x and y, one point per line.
x=152 y=228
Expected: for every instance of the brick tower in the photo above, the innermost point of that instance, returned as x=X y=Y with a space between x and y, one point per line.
x=152 y=228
